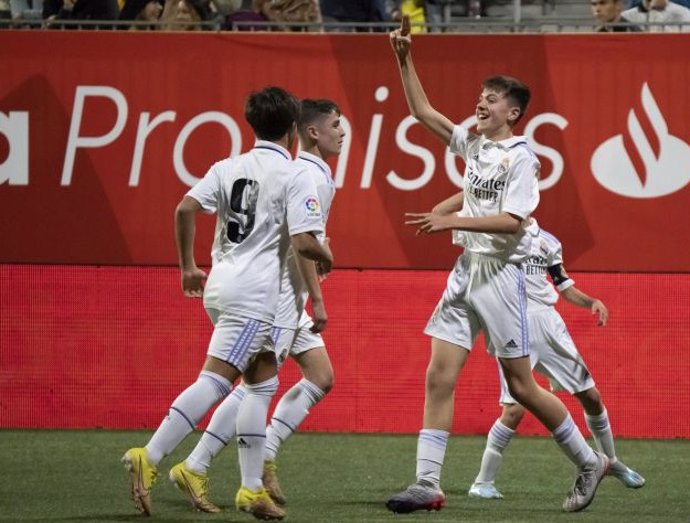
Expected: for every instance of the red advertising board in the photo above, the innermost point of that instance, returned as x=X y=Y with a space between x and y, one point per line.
x=111 y=347
x=101 y=133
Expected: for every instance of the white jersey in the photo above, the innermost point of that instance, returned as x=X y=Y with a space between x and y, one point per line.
x=499 y=177
x=672 y=13
x=293 y=291
x=261 y=198
x=546 y=256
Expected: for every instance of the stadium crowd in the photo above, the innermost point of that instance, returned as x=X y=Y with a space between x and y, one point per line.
x=313 y=15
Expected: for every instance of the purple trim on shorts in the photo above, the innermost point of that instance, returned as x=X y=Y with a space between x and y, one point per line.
x=244 y=341
x=275 y=334
x=522 y=298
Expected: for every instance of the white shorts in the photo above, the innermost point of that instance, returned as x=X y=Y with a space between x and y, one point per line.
x=237 y=340
x=553 y=355
x=295 y=341
x=483 y=293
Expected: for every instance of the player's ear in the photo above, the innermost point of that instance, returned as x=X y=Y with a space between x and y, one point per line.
x=513 y=115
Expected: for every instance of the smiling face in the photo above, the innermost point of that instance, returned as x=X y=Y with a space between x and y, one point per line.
x=496 y=114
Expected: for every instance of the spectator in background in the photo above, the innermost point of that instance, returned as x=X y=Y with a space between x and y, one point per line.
x=141 y=11
x=660 y=11
x=290 y=12
x=608 y=14
x=241 y=19
x=352 y=11
x=81 y=10
x=186 y=15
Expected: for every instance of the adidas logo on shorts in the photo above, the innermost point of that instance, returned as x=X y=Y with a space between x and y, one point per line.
x=511 y=344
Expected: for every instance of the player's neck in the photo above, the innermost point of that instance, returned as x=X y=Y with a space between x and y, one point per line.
x=315 y=151
x=500 y=134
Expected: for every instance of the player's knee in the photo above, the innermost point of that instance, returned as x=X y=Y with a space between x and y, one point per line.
x=520 y=391
x=323 y=380
x=512 y=415
x=591 y=401
x=439 y=382
x=263 y=388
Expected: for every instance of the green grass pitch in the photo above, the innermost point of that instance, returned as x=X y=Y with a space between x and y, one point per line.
x=76 y=476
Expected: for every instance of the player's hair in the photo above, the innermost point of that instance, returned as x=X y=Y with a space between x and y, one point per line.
x=312 y=110
x=271 y=112
x=514 y=89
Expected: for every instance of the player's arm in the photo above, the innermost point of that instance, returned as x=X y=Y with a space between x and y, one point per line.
x=429 y=222
x=450 y=205
x=193 y=278
x=579 y=298
x=307 y=269
x=306 y=245
x=416 y=98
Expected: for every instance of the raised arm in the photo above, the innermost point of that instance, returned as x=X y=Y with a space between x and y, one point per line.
x=193 y=278
x=417 y=101
x=579 y=298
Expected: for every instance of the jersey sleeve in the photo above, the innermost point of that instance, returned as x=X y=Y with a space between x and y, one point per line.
x=304 y=212
x=522 y=191
x=207 y=190
x=459 y=140
x=556 y=269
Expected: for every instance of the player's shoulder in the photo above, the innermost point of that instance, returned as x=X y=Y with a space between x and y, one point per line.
x=548 y=239
x=520 y=149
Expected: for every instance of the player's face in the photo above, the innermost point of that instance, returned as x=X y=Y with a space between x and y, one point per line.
x=494 y=113
x=329 y=134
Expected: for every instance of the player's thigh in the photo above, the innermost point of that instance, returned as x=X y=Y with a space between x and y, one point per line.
x=559 y=360
x=453 y=320
x=500 y=300
x=236 y=340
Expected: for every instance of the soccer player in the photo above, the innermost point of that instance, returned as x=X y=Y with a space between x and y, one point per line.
x=554 y=355
x=486 y=289
x=264 y=203
x=294 y=333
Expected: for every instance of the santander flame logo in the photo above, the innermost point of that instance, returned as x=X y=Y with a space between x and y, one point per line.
x=643 y=165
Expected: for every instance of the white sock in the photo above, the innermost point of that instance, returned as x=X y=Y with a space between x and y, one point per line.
x=219 y=432
x=498 y=439
x=291 y=410
x=251 y=431
x=431 y=450
x=600 y=428
x=186 y=412
x=573 y=444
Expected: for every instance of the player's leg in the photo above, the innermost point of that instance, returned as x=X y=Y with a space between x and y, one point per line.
x=561 y=362
x=447 y=360
x=453 y=328
x=497 y=441
x=213 y=384
x=261 y=382
x=191 y=475
x=597 y=419
x=501 y=293
x=551 y=412
x=309 y=353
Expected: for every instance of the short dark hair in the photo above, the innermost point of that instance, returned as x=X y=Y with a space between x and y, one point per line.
x=311 y=110
x=271 y=112
x=513 y=88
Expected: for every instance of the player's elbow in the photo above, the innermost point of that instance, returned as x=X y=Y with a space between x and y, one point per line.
x=306 y=245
